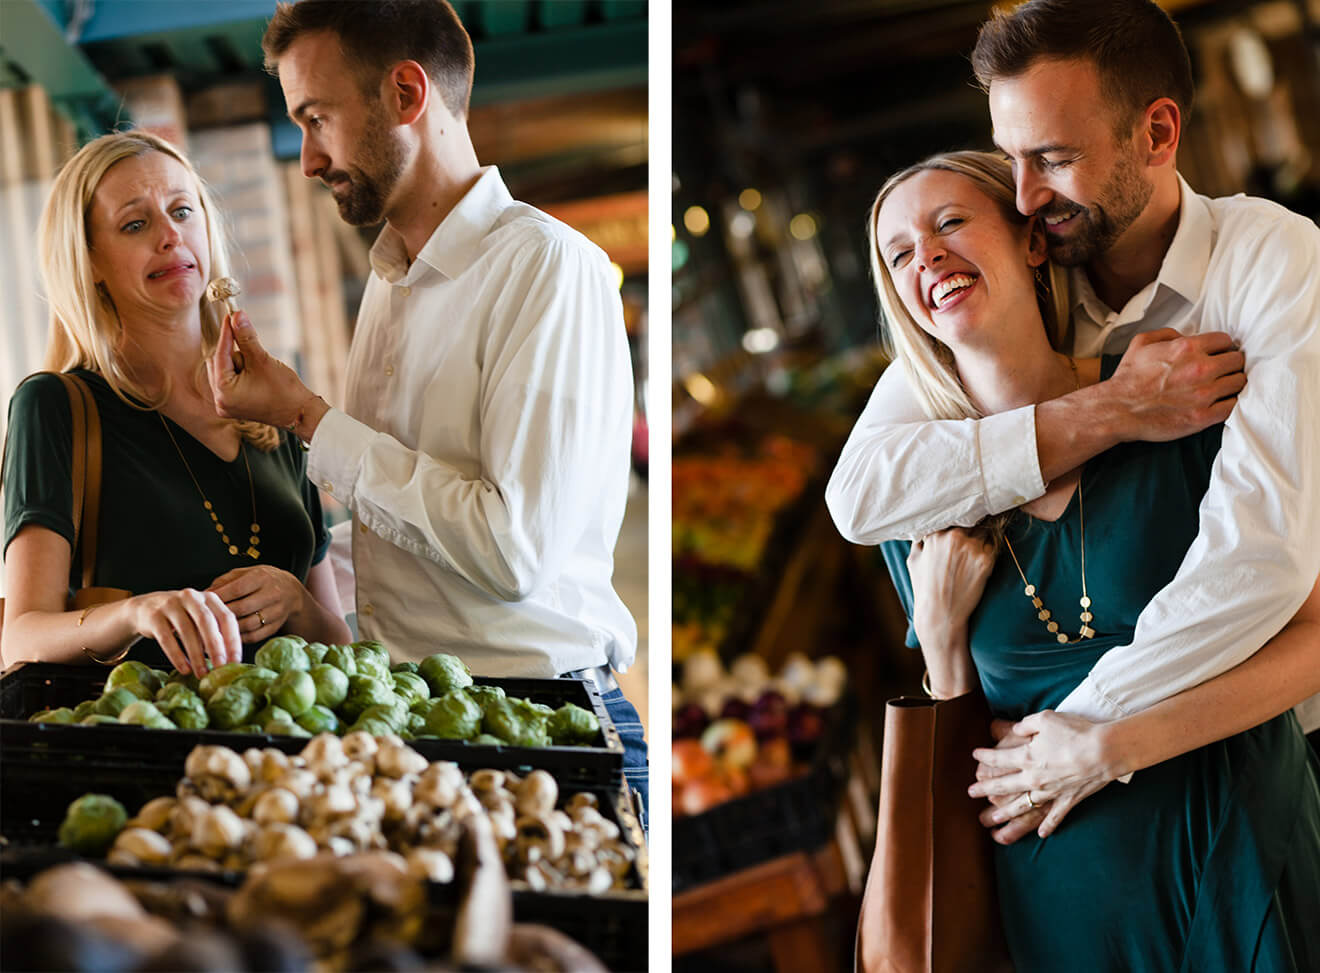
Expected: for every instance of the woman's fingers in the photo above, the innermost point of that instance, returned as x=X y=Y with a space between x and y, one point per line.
x=231 y=641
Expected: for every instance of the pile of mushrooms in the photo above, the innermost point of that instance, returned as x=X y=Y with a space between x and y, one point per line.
x=364 y=793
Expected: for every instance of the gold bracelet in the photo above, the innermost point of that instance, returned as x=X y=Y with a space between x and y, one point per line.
x=925 y=685
x=93 y=656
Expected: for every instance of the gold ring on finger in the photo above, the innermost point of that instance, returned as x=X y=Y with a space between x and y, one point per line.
x=1032 y=804
x=261 y=619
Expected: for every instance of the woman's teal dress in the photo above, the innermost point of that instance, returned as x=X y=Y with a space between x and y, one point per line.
x=1206 y=863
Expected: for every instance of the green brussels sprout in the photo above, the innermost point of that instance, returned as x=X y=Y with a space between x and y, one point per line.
x=231 y=706
x=342 y=658
x=374 y=648
x=532 y=711
x=249 y=728
x=571 y=725
x=187 y=712
x=394 y=713
x=84 y=709
x=294 y=690
x=416 y=724
x=364 y=691
x=331 y=684
x=99 y=719
x=112 y=703
x=503 y=720
x=374 y=727
x=183 y=679
x=272 y=714
x=61 y=715
x=282 y=728
x=319 y=719
x=213 y=681
x=162 y=676
x=487 y=740
x=454 y=716
x=444 y=672
x=145 y=714
x=372 y=660
x=172 y=690
x=407 y=665
x=92 y=823
x=257 y=679
x=130 y=672
x=282 y=653
x=484 y=695
x=316 y=652
x=138 y=689
x=410 y=687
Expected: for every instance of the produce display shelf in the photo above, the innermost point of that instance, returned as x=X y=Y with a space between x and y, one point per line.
x=797 y=815
x=28 y=687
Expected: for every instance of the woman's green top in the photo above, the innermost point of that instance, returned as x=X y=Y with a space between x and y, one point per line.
x=155 y=533
x=1206 y=862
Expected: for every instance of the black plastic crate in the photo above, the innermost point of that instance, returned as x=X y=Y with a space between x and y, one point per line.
x=797 y=815
x=28 y=687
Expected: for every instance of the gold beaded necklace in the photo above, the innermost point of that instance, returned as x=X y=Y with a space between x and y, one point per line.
x=254 y=539
x=1029 y=589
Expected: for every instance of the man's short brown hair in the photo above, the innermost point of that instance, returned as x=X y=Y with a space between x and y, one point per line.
x=377 y=34
x=1136 y=48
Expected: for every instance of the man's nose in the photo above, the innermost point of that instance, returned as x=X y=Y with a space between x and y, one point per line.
x=1032 y=193
x=313 y=160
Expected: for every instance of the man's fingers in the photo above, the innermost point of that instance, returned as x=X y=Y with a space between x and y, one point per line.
x=1228 y=362
x=1019 y=827
x=1058 y=810
x=1230 y=385
x=1000 y=728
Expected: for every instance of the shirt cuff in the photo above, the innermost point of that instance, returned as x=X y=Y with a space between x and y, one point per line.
x=334 y=456
x=1010 y=466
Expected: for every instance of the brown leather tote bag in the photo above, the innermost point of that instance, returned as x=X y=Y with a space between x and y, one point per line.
x=930 y=903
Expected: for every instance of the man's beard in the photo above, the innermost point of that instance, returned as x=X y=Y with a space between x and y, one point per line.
x=372 y=177
x=1100 y=225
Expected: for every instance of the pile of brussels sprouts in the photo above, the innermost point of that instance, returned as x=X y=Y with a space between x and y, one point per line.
x=297 y=688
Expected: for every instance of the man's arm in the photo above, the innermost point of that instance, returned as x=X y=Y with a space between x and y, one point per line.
x=904 y=475
x=1257 y=555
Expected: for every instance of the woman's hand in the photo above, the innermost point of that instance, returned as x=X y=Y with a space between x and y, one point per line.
x=1056 y=758
x=263 y=599
x=190 y=626
x=949 y=570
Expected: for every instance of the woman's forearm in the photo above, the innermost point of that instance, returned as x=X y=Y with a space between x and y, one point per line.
x=42 y=636
x=948 y=660
x=1283 y=673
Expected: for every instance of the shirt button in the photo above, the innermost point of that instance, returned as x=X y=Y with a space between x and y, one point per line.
x=368 y=610
x=328 y=487
x=1019 y=501
x=389 y=369
x=362 y=528
x=405 y=291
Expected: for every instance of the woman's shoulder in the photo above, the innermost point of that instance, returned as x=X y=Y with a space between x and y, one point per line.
x=38 y=394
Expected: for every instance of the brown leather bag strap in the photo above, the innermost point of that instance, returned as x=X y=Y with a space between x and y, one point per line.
x=78 y=455
x=86 y=473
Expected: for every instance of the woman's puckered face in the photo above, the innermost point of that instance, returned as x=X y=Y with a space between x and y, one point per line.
x=959 y=265
x=148 y=237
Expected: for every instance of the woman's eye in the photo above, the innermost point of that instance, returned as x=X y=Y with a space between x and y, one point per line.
x=181 y=213
x=132 y=226
x=898 y=258
x=950 y=223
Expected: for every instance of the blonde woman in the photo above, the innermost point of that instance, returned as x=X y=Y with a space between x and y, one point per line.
x=210 y=523
x=1209 y=859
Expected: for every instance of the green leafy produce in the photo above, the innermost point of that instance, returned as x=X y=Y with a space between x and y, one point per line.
x=112 y=703
x=249 y=728
x=179 y=678
x=487 y=739
x=342 y=658
x=394 y=713
x=272 y=714
x=444 y=672
x=416 y=724
x=571 y=724
x=372 y=659
x=454 y=716
x=319 y=719
x=532 y=711
x=140 y=690
x=331 y=685
x=212 y=682
x=187 y=711
x=133 y=672
x=316 y=651
x=294 y=690
x=172 y=690
x=92 y=823
x=257 y=679
x=405 y=666
x=61 y=715
x=282 y=653
x=145 y=714
x=484 y=695
x=84 y=709
x=231 y=706
x=281 y=728
x=99 y=719
x=502 y=719
x=375 y=727
x=410 y=687
x=363 y=692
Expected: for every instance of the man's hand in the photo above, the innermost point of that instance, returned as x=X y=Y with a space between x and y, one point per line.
x=1171 y=385
x=252 y=384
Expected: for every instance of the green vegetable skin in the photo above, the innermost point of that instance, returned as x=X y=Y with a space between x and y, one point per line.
x=484 y=695
x=372 y=659
x=142 y=713
x=319 y=719
x=444 y=672
x=316 y=651
x=231 y=706
x=112 y=703
x=503 y=719
x=571 y=724
x=61 y=715
x=454 y=716
x=364 y=692
x=331 y=685
x=393 y=713
x=342 y=658
x=216 y=679
x=410 y=687
x=283 y=653
x=127 y=673
x=257 y=679
x=294 y=690
x=406 y=666
x=92 y=823
x=272 y=714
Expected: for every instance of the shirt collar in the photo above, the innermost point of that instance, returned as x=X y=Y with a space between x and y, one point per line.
x=455 y=243
x=1184 y=266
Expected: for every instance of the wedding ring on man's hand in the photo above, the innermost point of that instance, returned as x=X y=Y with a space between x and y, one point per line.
x=263 y=625
x=1032 y=804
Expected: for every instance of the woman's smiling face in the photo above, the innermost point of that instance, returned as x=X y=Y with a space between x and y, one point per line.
x=148 y=236
x=957 y=261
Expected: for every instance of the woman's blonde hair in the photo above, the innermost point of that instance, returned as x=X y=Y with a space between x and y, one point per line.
x=927 y=361
x=84 y=326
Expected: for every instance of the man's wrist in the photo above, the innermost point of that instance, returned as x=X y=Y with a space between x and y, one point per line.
x=309 y=416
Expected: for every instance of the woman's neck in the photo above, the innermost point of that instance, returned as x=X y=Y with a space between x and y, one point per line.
x=1002 y=379
x=162 y=354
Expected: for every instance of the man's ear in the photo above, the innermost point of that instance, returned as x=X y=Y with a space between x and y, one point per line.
x=408 y=90
x=1037 y=245
x=1161 y=130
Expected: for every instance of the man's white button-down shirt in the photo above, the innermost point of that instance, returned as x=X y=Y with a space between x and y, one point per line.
x=484 y=447
x=1240 y=265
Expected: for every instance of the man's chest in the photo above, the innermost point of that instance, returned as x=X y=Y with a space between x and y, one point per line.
x=1097 y=330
